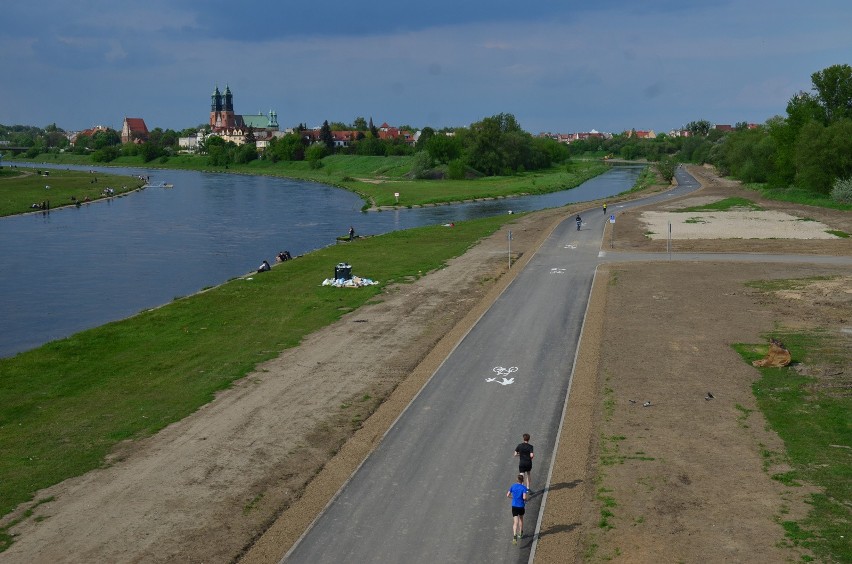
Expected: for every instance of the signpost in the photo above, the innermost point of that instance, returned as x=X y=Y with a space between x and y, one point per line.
x=612 y=232
x=396 y=195
x=510 y=248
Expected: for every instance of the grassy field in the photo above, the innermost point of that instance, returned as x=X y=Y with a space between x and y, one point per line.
x=377 y=179
x=799 y=196
x=64 y=405
x=811 y=414
x=20 y=188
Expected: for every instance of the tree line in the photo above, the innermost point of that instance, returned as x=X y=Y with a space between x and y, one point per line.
x=810 y=148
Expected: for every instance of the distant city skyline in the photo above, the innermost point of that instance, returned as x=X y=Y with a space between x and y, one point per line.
x=557 y=67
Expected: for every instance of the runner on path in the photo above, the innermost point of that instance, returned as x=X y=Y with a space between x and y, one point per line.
x=525 y=452
x=518 y=493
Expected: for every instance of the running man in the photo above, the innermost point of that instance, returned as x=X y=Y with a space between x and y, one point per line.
x=518 y=493
x=525 y=453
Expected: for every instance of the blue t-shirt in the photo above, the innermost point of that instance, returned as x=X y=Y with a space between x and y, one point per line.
x=518 y=491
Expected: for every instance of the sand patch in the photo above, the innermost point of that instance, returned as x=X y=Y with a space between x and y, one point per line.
x=733 y=225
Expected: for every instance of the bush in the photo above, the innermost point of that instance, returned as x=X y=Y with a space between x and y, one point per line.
x=456 y=170
x=842 y=190
x=421 y=164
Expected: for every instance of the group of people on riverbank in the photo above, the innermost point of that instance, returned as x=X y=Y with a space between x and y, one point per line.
x=280 y=257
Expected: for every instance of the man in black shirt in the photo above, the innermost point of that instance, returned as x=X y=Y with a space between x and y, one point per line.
x=525 y=453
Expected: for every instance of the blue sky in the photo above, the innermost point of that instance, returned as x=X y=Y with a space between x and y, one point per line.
x=559 y=66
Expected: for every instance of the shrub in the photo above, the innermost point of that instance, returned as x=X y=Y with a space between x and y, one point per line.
x=841 y=191
x=456 y=169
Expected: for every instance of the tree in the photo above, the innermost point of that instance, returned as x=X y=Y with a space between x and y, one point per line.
x=700 y=127
x=421 y=164
x=833 y=86
x=325 y=135
x=359 y=124
x=443 y=148
x=250 y=139
x=290 y=147
x=823 y=154
x=666 y=167
x=425 y=134
x=315 y=153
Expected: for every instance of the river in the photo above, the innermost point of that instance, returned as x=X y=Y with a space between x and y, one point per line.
x=72 y=269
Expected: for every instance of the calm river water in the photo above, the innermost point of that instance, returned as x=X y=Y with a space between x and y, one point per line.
x=76 y=268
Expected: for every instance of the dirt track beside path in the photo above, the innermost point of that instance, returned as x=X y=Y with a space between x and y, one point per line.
x=244 y=476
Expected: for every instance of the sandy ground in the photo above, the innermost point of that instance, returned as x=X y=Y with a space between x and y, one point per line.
x=244 y=476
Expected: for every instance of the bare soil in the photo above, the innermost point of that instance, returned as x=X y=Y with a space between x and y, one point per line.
x=243 y=477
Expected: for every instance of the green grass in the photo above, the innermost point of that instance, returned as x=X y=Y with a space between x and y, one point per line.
x=377 y=179
x=65 y=405
x=22 y=187
x=813 y=418
x=798 y=196
x=838 y=233
x=727 y=204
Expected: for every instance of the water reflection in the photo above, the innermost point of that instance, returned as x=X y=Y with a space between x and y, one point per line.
x=76 y=268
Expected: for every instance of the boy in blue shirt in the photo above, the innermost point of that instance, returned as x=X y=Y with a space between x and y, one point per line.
x=518 y=493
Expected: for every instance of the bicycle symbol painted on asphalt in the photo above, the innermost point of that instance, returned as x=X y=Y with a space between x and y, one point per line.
x=502 y=373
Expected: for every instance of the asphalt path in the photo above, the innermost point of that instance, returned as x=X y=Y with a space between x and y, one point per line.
x=434 y=490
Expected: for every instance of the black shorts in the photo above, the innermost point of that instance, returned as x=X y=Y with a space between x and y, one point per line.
x=517 y=511
x=524 y=467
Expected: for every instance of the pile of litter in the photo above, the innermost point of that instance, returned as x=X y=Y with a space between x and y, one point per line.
x=354 y=282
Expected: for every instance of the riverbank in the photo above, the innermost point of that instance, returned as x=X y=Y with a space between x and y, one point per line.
x=37 y=191
x=377 y=180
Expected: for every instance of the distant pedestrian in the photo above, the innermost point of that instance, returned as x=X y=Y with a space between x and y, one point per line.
x=264 y=267
x=524 y=452
x=579 y=222
x=351 y=232
x=518 y=493
x=604 y=208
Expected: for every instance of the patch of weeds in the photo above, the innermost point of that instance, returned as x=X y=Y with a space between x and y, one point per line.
x=604 y=522
x=785 y=284
x=591 y=550
x=807 y=411
x=366 y=397
x=838 y=233
x=788 y=478
x=638 y=520
x=6 y=538
x=252 y=504
x=805 y=219
x=649 y=233
x=608 y=402
x=743 y=416
x=345 y=405
x=695 y=220
x=613 y=278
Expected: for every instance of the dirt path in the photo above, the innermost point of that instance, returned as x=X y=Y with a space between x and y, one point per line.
x=244 y=476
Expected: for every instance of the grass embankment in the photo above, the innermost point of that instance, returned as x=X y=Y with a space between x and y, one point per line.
x=20 y=188
x=377 y=179
x=810 y=410
x=798 y=196
x=64 y=405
